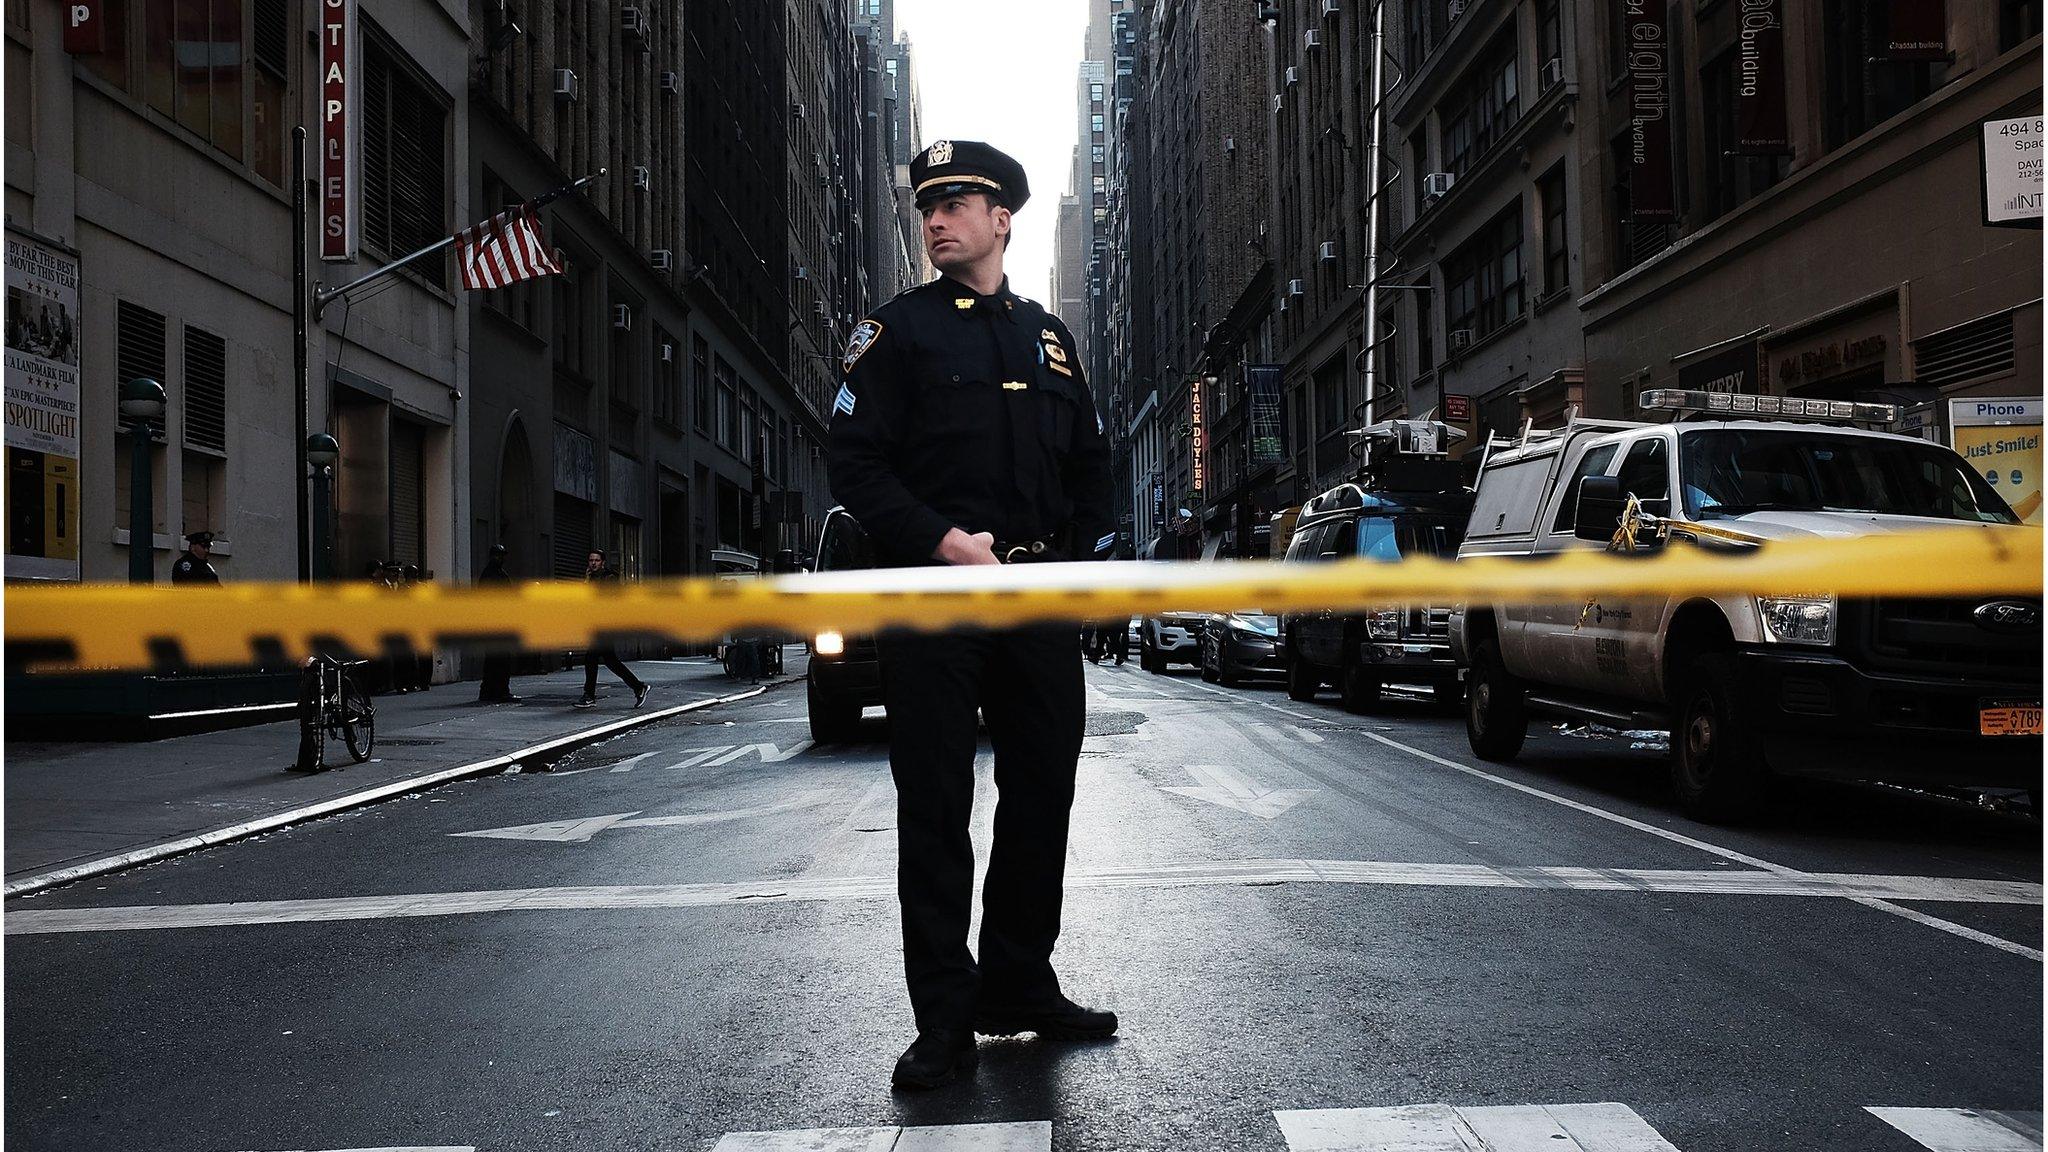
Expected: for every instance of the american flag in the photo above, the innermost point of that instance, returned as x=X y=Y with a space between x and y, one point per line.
x=505 y=249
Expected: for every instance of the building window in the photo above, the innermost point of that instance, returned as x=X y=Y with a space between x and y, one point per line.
x=570 y=320
x=1095 y=123
x=515 y=302
x=700 y=383
x=404 y=169
x=728 y=406
x=1633 y=242
x=217 y=67
x=1862 y=88
x=1425 y=331
x=622 y=371
x=138 y=351
x=1485 y=278
x=1480 y=114
x=1549 y=33
x=1557 y=274
x=1732 y=179
x=668 y=367
x=2018 y=22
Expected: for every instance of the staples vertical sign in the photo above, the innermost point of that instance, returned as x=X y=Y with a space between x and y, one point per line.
x=337 y=176
x=1649 y=110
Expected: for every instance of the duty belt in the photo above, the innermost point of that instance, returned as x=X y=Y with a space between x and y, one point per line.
x=1029 y=552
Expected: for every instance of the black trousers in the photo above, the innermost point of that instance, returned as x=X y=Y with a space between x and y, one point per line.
x=1027 y=685
x=497 y=682
x=611 y=660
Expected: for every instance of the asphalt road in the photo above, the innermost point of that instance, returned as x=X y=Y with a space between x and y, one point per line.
x=1321 y=931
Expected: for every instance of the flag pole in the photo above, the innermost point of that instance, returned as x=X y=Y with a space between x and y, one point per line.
x=322 y=299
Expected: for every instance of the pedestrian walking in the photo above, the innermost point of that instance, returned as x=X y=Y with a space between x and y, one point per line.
x=195 y=566
x=497 y=682
x=964 y=433
x=597 y=571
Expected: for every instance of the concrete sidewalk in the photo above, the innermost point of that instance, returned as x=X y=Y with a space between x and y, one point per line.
x=71 y=803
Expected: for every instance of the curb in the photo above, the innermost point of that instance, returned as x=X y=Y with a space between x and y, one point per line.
x=560 y=744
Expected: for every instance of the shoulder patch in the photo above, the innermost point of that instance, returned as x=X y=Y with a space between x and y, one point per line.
x=857 y=344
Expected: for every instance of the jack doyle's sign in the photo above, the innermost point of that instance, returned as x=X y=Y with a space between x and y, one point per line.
x=337 y=173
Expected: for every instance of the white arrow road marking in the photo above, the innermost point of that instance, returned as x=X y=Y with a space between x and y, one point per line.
x=1442 y=1128
x=769 y=753
x=1966 y=1129
x=1307 y=737
x=580 y=831
x=1223 y=786
x=1033 y=1136
x=1191 y=874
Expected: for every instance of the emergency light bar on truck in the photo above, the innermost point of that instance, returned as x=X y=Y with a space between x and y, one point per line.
x=1743 y=404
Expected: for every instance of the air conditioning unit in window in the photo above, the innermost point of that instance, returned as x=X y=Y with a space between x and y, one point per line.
x=796 y=111
x=1436 y=184
x=1297 y=287
x=663 y=259
x=1331 y=7
x=668 y=352
x=1276 y=103
x=1293 y=76
x=565 y=84
x=1229 y=145
x=1311 y=39
x=1461 y=339
x=803 y=273
x=643 y=177
x=1283 y=304
x=633 y=25
x=1553 y=74
x=1327 y=250
x=1453 y=10
x=671 y=82
x=622 y=317
x=821 y=310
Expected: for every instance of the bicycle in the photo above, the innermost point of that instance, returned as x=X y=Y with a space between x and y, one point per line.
x=333 y=702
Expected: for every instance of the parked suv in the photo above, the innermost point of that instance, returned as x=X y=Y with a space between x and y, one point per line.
x=1907 y=689
x=1171 y=638
x=1363 y=652
x=845 y=673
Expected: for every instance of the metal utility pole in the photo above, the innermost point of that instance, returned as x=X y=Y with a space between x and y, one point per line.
x=302 y=299
x=1374 y=120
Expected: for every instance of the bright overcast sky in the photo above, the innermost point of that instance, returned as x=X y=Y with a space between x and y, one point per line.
x=1004 y=72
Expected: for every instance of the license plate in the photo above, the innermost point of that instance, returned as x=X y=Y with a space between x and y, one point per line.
x=2009 y=718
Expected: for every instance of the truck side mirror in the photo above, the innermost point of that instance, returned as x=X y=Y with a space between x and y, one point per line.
x=1600 y=507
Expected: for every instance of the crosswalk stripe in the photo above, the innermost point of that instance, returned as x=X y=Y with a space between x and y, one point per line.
x=1030 y=1136
x=1965 y=1129
x=1442 y=1128
x=1307 y=737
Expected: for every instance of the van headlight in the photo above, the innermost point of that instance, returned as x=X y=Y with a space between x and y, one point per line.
x=1384 y=624
x=829 y=644
x=1798 y=619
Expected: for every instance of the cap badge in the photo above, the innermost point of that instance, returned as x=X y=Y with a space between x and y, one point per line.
x=940 y=153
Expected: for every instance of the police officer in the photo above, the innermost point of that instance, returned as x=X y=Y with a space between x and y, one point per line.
x=194 y=567
x=497 y=682
x=964 y=433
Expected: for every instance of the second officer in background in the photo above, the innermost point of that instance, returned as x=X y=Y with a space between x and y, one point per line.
x=965 y=434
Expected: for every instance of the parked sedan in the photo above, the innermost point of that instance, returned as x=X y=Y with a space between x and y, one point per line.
x=1240 y=646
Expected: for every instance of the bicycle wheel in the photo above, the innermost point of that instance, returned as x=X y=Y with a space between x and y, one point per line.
x=358 y=718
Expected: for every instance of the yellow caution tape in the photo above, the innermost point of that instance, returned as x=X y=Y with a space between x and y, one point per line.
x=107 y=626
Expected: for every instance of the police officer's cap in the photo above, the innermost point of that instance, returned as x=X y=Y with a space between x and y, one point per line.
x=497 y=551
x=204 y=538
x=950 y=167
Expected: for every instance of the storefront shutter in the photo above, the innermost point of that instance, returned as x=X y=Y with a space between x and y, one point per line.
x=572 y=536
x=408 y=451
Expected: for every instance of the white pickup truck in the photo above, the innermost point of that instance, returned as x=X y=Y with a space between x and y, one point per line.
x=1900 y=689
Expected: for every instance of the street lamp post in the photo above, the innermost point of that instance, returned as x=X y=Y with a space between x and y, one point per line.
x=322 y=450
x=142 y=401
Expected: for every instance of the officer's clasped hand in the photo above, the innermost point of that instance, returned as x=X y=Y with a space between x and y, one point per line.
x=960 y=547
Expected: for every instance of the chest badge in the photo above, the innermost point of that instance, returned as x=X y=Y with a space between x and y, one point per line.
x=857 y=344
x=1054 y=353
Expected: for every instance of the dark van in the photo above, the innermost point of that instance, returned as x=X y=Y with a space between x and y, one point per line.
x=1361 y=653
x=845 y=673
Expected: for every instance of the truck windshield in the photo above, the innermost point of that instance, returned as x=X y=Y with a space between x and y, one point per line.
x=1727 y=472
x=1411 y=534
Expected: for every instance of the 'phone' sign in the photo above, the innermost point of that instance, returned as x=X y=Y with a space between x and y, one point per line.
x=337 y=182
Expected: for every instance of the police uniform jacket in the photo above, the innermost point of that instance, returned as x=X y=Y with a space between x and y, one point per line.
x=191 y=569
x=969 y=411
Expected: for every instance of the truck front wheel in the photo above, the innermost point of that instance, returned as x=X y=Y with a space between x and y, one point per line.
x=1717 y=768
x=1496 y=711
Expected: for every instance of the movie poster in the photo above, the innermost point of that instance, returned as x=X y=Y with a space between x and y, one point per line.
x=42 y=411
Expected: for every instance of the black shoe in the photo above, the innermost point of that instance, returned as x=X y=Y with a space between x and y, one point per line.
x=587 y=702
x=1059 y=1019
x=640 y=694
x=934 y=1058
